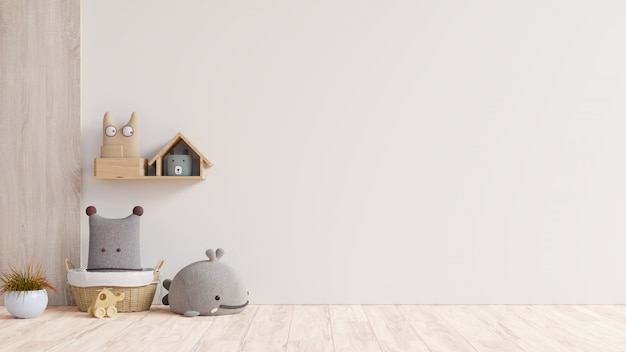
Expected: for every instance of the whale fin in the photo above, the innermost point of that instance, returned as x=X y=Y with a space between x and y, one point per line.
x=192 y=313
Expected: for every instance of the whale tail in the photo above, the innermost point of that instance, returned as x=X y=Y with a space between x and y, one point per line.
x=166 y=299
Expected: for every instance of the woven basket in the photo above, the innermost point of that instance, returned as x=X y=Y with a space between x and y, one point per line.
x=136 y=299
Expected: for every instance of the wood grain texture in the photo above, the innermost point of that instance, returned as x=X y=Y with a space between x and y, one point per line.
x=280 y=328
x=480 y=333
x=393 y=331
x=40 y=135
x=434 y=330
x=310 y=326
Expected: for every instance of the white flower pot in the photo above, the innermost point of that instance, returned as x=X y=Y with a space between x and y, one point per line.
x=26 y=304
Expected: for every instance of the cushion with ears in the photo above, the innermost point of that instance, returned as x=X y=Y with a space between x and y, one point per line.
x=114 y=243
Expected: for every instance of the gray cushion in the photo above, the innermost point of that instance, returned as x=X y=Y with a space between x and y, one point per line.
x=114 y=243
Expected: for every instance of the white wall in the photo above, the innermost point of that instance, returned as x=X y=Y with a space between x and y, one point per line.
x=374 y=151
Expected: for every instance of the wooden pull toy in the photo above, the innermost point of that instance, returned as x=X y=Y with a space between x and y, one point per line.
x=104 y=304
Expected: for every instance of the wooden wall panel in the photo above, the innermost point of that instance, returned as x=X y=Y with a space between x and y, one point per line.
x=40 y=172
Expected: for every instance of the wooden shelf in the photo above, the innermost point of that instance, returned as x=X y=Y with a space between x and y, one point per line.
x=140 y=169
x=177 y=178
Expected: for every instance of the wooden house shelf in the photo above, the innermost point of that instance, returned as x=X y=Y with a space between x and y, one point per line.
x=173 y=178
x=178 y=160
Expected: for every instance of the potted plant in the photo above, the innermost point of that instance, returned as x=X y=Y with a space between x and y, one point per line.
x=25 y=294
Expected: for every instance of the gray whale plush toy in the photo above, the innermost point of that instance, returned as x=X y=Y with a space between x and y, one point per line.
x=207 y=287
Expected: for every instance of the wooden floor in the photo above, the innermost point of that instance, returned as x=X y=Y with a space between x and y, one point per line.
x=359 y=328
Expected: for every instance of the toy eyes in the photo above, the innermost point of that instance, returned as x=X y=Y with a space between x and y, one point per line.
x=117 y=250
x=103 y=250
x=128 y=131
x=217 y=298
x=111 y=131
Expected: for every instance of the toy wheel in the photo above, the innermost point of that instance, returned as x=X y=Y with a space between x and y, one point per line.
x=111 y=311
x=99 y=312
x=89 y=311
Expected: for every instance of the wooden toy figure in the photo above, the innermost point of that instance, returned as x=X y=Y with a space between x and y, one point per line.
x=119 y=153
x=120 y=141
x=104 y=304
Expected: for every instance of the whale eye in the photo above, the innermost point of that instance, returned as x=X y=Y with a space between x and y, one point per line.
x=217 y=298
